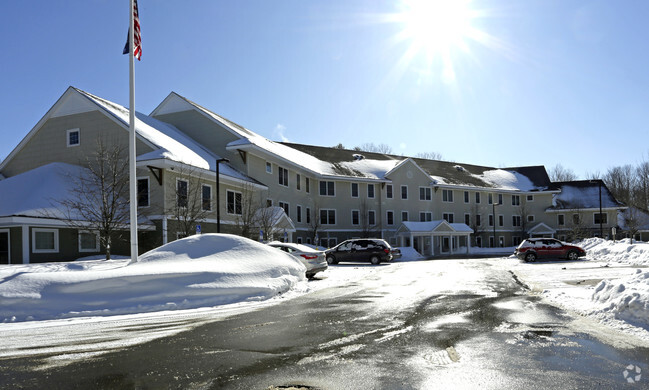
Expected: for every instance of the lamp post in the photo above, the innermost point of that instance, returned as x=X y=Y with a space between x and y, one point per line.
x=218 y=194
x=493 y=206
x=601 y=229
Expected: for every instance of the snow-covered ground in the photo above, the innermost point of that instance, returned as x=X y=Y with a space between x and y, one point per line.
x=222 y=275
x=611 y=285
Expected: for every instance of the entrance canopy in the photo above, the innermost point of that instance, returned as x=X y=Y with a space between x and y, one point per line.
x=435 y=238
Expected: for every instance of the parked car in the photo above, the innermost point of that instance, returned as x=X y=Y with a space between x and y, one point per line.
x=360 y=249
x=314 y=260
x=396 y=253
x=535 y=248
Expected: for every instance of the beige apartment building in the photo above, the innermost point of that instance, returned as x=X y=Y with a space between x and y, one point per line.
x=271 y=190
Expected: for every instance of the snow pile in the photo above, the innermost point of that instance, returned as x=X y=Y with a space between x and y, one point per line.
x=627 y=298
x=198 y=271
x=622 y=251
x=409 y=253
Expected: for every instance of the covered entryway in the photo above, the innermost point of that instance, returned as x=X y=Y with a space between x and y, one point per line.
x=541 y=231
x=435 y=238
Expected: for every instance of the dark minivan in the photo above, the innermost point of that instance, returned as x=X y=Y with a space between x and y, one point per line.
x=360 y=249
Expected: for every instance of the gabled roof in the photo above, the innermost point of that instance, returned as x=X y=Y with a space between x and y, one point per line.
x=168 y=142
x=582 y=194
x=534 y=178
x=441 y=226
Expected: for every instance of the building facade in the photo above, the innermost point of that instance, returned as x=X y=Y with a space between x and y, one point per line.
x=327 y=194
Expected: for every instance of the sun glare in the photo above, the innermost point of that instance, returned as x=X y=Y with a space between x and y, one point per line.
x=436 y=26
x=435 y=31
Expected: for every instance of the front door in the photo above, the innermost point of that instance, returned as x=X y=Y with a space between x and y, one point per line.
x=4 y=247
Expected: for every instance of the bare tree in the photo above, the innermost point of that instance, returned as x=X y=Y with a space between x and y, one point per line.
x=621 y=182
x=524 y=212
x=477 y=229
x=371 y=147
x=313 y=221
x=266 y=218
x=641 y=193
x=339 y=146
x=367 y=228
x=577 y=226
x=99 y=196
x=251 y=201
x=429 y=155
x=186 y=203
x=559 y=173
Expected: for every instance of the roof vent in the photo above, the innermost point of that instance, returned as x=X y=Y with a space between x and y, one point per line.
x=358 y=157
x=459 y=168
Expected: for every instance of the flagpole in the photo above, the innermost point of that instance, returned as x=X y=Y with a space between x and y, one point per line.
x=132 y=138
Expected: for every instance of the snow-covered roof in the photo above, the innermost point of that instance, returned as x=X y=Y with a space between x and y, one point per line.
x=171 y=143
x=37 y=193
x=377 y=165
x=23 y=195
x=582 y=194
x=431 y=226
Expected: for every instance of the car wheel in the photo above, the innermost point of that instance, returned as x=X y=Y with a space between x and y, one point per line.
x=331 y=260
x=375 y=260
x=572 y=255
x=531 y=257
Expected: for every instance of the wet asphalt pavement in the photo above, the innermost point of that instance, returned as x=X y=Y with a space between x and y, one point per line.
x=419 y=325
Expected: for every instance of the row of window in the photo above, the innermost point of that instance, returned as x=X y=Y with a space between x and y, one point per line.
x=328 y=188
x=47 y=241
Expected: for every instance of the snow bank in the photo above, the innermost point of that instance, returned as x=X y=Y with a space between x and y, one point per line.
x=622 y=251
x=198 y=271
x=627 y=298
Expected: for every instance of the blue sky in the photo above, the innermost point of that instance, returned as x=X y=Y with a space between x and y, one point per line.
x=522 y=83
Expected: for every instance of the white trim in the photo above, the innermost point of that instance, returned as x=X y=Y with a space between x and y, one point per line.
x=67 y=137
x=56 y=240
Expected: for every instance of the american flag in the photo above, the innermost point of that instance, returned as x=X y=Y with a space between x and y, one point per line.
x=137 y=47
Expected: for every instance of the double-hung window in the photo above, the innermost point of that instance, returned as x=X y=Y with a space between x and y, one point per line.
x=143 y=192
x=327 y=188
x=206 y=198
x=234 y=202
x=283 y=176
x=354 y=190
x=327 y=217
x=425 y=193
x=447 y=196
x=182 y=187
x=370 y=191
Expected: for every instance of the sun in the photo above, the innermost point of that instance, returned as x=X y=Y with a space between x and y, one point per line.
x=437 y=33
x=436 y=26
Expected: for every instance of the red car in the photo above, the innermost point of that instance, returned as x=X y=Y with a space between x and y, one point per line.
x=534 y=248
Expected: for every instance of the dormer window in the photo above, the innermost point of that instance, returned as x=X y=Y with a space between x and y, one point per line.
x=73 y=138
